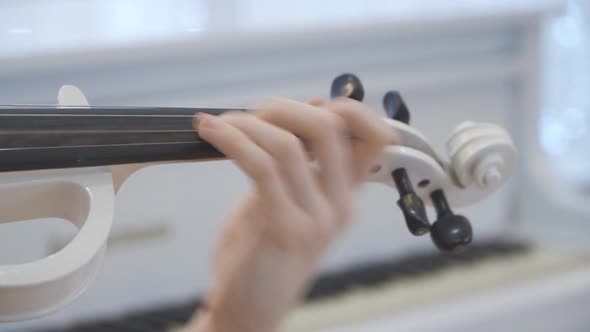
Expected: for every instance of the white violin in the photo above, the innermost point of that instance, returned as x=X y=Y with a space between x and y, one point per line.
x=68 y=161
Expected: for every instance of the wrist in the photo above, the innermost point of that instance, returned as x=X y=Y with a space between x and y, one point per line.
x=217 y=319
x=232 y=319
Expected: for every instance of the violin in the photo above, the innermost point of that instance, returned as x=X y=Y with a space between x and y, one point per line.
x=68 y=161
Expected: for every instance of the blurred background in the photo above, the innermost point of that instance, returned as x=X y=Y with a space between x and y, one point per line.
x=522 y=64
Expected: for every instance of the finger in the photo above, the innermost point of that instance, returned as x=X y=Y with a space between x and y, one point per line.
x=324 y=131
x=253 y=160
x=371 y=133
x=316 y=102
x=288 y=153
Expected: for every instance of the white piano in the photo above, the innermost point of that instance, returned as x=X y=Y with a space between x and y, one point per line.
x=452 y=61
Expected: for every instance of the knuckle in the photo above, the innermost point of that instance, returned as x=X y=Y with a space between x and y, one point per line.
x=328 y=123
x=269 y=106
x=348 y=107
x=286 y=142
x=330 y=120
x=263 y=169
x=234 y=116
x=289 y=147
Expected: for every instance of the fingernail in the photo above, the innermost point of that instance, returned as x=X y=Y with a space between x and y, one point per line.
x=317 y=102
x=204 y=120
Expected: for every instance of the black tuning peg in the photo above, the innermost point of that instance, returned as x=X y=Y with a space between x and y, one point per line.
x=411 y=204
x=347 y=85
x=395 y=108
x=450 y=232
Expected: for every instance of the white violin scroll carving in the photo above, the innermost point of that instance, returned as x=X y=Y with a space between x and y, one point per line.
x=482 y=159
x=481 y=153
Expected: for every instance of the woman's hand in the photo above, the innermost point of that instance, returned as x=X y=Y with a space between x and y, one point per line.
x=302 y=198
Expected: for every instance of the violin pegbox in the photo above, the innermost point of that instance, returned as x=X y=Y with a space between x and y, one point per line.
x=482 y=159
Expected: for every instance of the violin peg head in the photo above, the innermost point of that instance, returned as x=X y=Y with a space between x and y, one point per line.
x=347 y=85
x=451 y=232
x=395 y=107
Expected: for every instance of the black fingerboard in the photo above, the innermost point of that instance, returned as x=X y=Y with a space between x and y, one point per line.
x=47 y=138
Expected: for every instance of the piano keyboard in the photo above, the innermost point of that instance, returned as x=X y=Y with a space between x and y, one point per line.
x=379 y=288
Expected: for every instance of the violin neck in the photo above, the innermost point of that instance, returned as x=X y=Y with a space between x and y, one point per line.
x=33 y=138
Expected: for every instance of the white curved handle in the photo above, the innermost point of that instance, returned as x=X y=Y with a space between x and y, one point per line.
x=85 y=197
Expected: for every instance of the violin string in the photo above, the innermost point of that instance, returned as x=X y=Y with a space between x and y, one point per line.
x=91 y=131
x=100 y=145
x=86 y=108
x=95 y=111
x=108 y=131
x=59 y=131
x=54 y=133
x=96 y=106
x=196 y=141
x=38 y=106
x=100 y=115
x=50 y=106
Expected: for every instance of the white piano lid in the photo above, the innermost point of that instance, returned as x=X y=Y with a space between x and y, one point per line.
x=31 y=27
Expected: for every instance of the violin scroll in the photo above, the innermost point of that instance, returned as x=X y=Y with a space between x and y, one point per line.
x=482 y=158
x=482 y=154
